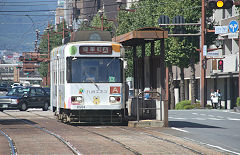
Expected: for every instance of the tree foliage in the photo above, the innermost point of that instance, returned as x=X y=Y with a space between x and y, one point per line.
x=178 y=50
x=55 y=39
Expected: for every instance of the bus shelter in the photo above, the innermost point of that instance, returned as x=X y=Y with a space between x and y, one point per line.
x=148 y=71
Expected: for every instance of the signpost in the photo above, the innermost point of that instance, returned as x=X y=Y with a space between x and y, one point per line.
x=221 y=29
x=212 y=53
x=233 y=26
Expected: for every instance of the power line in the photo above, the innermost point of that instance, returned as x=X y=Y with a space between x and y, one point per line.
x=24 y=5
x=32 y=2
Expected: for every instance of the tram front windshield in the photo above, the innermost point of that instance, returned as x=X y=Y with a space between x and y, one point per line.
x=99 y=70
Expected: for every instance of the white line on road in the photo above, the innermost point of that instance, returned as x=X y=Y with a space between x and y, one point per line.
x=195 y=113
x=216 y=119
x=179 y=129
x=233 y=119
x=214 y=146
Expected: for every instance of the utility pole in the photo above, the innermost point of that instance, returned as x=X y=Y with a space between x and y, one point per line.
x=63 y=30
x=202 y=58
x=48 y=75
x=237 y=3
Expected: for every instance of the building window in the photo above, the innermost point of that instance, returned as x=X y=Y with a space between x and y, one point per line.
x=78 y=12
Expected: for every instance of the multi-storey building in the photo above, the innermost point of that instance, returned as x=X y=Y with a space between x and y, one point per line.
x=77 y=11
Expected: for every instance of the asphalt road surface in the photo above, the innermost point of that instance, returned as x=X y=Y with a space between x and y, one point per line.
x=215 y=128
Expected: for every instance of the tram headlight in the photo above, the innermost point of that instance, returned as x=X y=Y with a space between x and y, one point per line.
x=77 y=99
x=115 y=99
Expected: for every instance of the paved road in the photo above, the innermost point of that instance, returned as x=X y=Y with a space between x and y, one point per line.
x=215 y=128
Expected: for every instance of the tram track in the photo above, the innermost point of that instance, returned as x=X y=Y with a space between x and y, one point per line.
x=101 y=135
x=162 y=139
x=157 y=135
x=61 y=139
x=10 y=141
x=131 y=130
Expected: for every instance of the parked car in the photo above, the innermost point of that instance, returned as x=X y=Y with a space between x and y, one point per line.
x=23 y=98
x=16 y=85
x=3 y=87
x=47 y=90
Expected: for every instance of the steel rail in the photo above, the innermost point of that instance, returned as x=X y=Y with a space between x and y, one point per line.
x=10 y=141
x=113 y=140
x=166 y=140
x=108 y=138
x=70 y=146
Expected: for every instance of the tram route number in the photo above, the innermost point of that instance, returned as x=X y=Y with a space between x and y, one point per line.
x=80 y=106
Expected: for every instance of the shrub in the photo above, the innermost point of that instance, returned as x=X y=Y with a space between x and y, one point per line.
x=186 y=104
x=238 y=101
x=181 y=104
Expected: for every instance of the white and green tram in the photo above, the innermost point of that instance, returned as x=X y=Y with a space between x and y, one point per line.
x=88 y=81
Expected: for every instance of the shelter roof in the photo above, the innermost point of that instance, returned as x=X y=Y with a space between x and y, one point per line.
x=141 y=36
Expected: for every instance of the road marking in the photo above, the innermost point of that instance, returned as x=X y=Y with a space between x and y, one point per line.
x=203 y=114
x=214 y=146
x=210 y=115
x=180 y=118
x=216 y=119
x=195 y=113
x=179 y=129
x=233 y=119
x=198 y=118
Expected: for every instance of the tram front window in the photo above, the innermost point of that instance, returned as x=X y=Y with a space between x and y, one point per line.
x=99 y=70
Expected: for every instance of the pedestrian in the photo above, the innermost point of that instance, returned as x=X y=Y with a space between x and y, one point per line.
x=219 y=95
x=212 y=94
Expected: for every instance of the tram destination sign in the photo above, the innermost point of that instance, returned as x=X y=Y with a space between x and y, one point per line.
x=88 y=50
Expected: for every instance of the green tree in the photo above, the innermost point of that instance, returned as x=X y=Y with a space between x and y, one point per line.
x=55 y=39
x=180 y=51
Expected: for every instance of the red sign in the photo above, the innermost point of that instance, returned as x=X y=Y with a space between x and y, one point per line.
x=115 y=90
x=95 y=50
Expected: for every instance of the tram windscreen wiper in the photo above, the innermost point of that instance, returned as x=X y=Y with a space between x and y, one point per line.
x=91 y=80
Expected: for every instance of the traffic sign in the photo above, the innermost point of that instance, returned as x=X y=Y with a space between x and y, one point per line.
x=221 y=29
x=204 y=50
x=213 y=53
x=233 y=26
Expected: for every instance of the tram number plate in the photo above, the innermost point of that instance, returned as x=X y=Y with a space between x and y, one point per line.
x=80 y=106
x=5 y=106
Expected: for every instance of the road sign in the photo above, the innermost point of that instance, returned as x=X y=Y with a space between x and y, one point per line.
x=233 y=26
x=213 y=53
x=221 y=29
x=204 y=50
x=232 y=35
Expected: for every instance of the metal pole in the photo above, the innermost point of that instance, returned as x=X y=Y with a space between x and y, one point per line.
x=202 y=78
x=48 y=75
x=63 y=30
x=239 y=60
x=101 y=22
x=138 y=107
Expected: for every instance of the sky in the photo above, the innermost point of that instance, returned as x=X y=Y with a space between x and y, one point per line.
x=19 y=20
